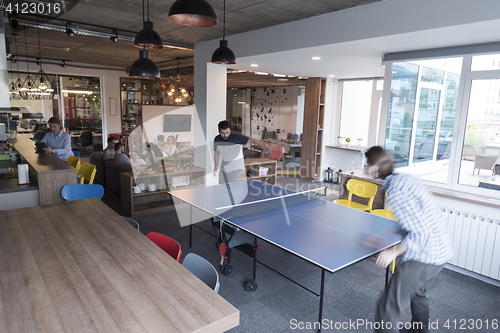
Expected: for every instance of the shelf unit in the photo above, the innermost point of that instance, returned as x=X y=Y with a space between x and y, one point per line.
x=312 y=138
x=149 y=202
x=252 y=169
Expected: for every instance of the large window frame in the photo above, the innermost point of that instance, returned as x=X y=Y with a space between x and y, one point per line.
x=466 y=79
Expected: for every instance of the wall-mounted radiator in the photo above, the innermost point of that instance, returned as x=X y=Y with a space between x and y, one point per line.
x=476 y=241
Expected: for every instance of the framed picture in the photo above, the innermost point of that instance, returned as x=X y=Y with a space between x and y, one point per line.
x=112 y=106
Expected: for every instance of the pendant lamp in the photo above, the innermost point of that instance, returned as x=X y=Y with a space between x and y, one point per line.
x=192 y=13
x=144 y=68
x=43 y=82
x=147 y=37
x=19 y=82
x=28 y=86
x=223 y=55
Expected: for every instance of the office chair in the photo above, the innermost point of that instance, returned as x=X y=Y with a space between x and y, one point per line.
x=167 y=244
x=87 y=173
x=79 y=191
x=85 y=139
x=38 y=136
x=203 y=270
x=361 y=189
x=132 y=222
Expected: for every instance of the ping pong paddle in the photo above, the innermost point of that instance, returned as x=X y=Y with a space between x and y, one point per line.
x=222 y=252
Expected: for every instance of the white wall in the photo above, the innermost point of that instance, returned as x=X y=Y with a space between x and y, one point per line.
x=152 y=120
x=282 y=102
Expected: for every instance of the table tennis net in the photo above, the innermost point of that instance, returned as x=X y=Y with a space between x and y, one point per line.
x=280 y=202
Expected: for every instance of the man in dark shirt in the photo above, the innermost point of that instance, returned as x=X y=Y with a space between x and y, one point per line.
x=109 y=152
x=119 y=155
x=228 y=152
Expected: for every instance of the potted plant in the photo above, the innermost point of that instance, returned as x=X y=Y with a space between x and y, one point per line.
x=348 y=140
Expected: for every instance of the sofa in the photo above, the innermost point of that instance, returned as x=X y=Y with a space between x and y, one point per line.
x=109 y=172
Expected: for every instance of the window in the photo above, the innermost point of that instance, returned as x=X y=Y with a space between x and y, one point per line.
x=422 y=108
x=360 y=101
x=481 y=147
x=443 y=122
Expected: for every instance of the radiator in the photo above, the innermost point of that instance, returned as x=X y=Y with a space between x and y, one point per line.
x=476 y=241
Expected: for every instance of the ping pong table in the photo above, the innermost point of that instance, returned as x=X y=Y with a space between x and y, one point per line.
x=326 y=234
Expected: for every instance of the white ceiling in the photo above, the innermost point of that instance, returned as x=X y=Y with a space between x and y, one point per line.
x=363 y=58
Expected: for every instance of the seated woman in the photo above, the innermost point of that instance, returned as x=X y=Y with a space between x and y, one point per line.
x=58 y=142
x=169 y=148
x=136 y=160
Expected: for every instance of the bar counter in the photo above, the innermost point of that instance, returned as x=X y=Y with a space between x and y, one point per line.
x=50 y=172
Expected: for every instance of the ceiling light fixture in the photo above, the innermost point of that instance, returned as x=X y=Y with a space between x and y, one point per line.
x=147 y=38
x=42 y=80
x=69 y=31
x=316 y=58
x=144 y=68
x=192 y=13
x=28 y=84
x=14 y=24
x=254 y=65
x=223 y=54
x=114 y=38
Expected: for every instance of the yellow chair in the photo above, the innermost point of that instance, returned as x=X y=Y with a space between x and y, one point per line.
x=74 y=161
x=87 y=173
x=361 y=189
x=384 y=213
x=387 y=213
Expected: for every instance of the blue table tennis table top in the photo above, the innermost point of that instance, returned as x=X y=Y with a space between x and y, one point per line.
x=327 y=234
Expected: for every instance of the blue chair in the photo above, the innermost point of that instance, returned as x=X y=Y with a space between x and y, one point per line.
x=82 y=191
x=131 y=221
x=203 y=270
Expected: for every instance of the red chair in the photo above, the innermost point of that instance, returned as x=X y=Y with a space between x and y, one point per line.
x=167 y=244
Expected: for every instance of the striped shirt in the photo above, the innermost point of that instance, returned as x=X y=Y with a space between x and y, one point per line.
x=414 y=206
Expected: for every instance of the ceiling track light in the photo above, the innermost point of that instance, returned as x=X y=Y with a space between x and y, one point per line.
x=14 y=24
x=223 y=54
x=114 y=38
x=69 y=31
x=192 y=13
x=94 y=33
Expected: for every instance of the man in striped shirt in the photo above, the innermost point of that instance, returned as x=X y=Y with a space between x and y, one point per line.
x=422 y=253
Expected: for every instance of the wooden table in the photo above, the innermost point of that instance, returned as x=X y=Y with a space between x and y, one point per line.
x=51 y=172
x=79 y=267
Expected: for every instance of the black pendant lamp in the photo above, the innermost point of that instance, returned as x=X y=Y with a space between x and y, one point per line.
x=147 y=37
x=192 y=13
x=144 y=68
x=223 y=55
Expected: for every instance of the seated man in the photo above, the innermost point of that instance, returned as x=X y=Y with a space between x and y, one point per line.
x=119 y=155
x=109 y=152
